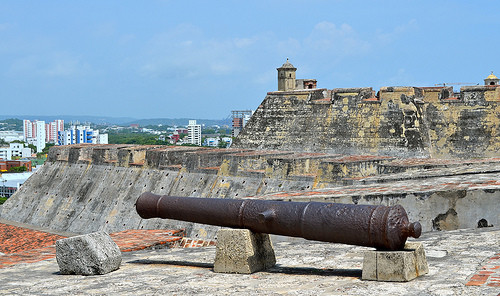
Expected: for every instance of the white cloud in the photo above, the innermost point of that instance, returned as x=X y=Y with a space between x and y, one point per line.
x=388 y=37
x=244 y=42
x=184 y=52
x=63 y=64
x=343 y=40
x=265 y=78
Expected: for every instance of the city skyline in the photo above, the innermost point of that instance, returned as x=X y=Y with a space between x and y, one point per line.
x=167 y=59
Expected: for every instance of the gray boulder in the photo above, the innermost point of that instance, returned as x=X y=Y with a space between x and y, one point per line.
x=88 y=254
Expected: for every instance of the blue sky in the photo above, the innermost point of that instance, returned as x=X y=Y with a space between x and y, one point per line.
x=202 y=59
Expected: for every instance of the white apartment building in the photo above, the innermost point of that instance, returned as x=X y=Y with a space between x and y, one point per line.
x=34 y=133
x=194 y=133
x=14 y=150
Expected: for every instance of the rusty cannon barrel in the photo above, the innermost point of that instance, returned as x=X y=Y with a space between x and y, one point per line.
x=382 y=227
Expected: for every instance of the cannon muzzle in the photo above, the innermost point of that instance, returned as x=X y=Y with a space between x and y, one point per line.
x=382 y=227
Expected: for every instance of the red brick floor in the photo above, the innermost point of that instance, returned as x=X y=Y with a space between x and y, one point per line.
x=489 y=274
x=22 y=245
x=15 y=239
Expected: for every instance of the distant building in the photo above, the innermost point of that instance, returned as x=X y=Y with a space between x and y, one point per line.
x=215 y=142
x=228 y=141
x=175 y=137
x=6 y=165
x=211 y=142
x=194 y=133
x=52 y=130
x=9 y=136
x=11 y=182
x=102 y=139
x=81 y=134
x=38 y=132
x=35 y=133
x=14 y=150
x=240 y=119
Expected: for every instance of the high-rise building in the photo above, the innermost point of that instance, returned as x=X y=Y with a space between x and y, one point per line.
x=38 y=132
x=52 y=129
x=194 y=133
x=240 y=119
x=35 y=133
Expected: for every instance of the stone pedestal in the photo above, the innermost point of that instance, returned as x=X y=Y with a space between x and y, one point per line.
x=242 y=251
x=89 y=254
x=395 y=266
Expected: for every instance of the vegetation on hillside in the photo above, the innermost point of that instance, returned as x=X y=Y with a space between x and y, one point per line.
x=127 y=137
x=11 y=124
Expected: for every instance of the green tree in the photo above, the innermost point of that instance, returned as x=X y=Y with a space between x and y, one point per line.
x=47 y=147
x=127 y=137
x=33 y=147
x=222 y=144
x=208 y=131
x=18 y=169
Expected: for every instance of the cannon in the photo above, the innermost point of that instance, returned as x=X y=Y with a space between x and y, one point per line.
x=381 y=227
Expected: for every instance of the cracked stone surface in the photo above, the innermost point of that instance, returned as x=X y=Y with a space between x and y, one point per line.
x=303 y=268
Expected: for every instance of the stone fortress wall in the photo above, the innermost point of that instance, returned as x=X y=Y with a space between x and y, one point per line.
x=398 y=121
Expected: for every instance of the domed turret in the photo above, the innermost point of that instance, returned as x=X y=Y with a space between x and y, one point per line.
x=491 y=79
x=286 y=76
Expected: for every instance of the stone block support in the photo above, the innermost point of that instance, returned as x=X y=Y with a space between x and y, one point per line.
x=88 y=254
x=395 y=266
x=243 y=251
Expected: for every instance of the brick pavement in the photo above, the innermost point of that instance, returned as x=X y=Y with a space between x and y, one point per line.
x=488 y=275
x=16 y=239
x=23 y=245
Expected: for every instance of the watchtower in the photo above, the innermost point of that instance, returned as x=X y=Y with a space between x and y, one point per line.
x=286 y=77
x=491 y=79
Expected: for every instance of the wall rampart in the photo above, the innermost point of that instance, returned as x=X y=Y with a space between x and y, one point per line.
x=397 y=121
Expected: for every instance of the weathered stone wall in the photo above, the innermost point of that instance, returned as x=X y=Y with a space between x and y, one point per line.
x=400 y=121
x=87 y=188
